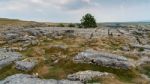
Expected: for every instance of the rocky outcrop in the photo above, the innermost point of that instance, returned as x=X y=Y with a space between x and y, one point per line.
x=23 y=35
x=8 y=57
x=11 y=37
x=35 y=32
x=29 y=79
x=85 y=76
x=103 y=59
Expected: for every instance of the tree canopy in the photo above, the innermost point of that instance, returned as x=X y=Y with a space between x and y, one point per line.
x=88 y=21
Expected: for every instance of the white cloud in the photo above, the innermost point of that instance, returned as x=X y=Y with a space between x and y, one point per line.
x=72 y=10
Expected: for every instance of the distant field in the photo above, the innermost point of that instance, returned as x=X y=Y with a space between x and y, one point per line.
x=21 y=23
x=5 y=21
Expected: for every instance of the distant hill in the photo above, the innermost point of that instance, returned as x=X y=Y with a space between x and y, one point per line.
x=7 y=19
x=6 y=22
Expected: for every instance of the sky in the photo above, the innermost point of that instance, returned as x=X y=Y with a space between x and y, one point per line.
x=73 y=10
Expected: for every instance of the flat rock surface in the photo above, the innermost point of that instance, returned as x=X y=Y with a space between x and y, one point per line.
x=25 y=65
x=87 y=75
x=7 y=57
x=104 y=59
x=29 y=79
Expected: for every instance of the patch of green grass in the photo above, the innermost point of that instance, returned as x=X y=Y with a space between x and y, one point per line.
x=141 y=49
x=146 y=70
x=27 y=52
x=65 y=67
x=8 y=71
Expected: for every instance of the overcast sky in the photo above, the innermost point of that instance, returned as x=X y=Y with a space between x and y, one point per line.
x=73 y=10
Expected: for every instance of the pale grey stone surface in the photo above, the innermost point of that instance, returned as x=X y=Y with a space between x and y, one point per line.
x=8 y=57
x=87 y=75
x=25 y=65
x=29 y=79
x=104 y=59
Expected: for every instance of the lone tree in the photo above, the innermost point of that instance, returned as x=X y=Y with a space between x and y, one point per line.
x=88 y=21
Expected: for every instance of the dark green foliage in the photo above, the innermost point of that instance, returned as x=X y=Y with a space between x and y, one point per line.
x=145 y=69
x=60 y=25
x=8 y=71
x=79 y=25
x=141 y=49
x=71 y=25
x=88 y=21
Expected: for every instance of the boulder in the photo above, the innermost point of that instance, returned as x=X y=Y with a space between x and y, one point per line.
x=29 y=79
x=25 y=65
x=125 y=48
x=8 y=57
x=103 y=59
x=85 y=76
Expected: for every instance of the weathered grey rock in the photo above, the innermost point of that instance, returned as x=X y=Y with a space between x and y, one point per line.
x=87 y=75
x=141 y=46
x=21 y=35
x=68 y=82
x=29 y=79
x=26 y=44
x=36 y=31
x=143 y=61
x=12 y=35
x=7 y=57
x=104 y=59
x=25 y=65
x=56 y=34
x=125 y=48
x=33 y=32
x=34 y=42
x=63 y=47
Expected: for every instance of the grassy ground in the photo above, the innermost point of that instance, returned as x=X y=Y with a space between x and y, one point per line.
x=49 y=69
x=8 y=71
x=65 y=67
